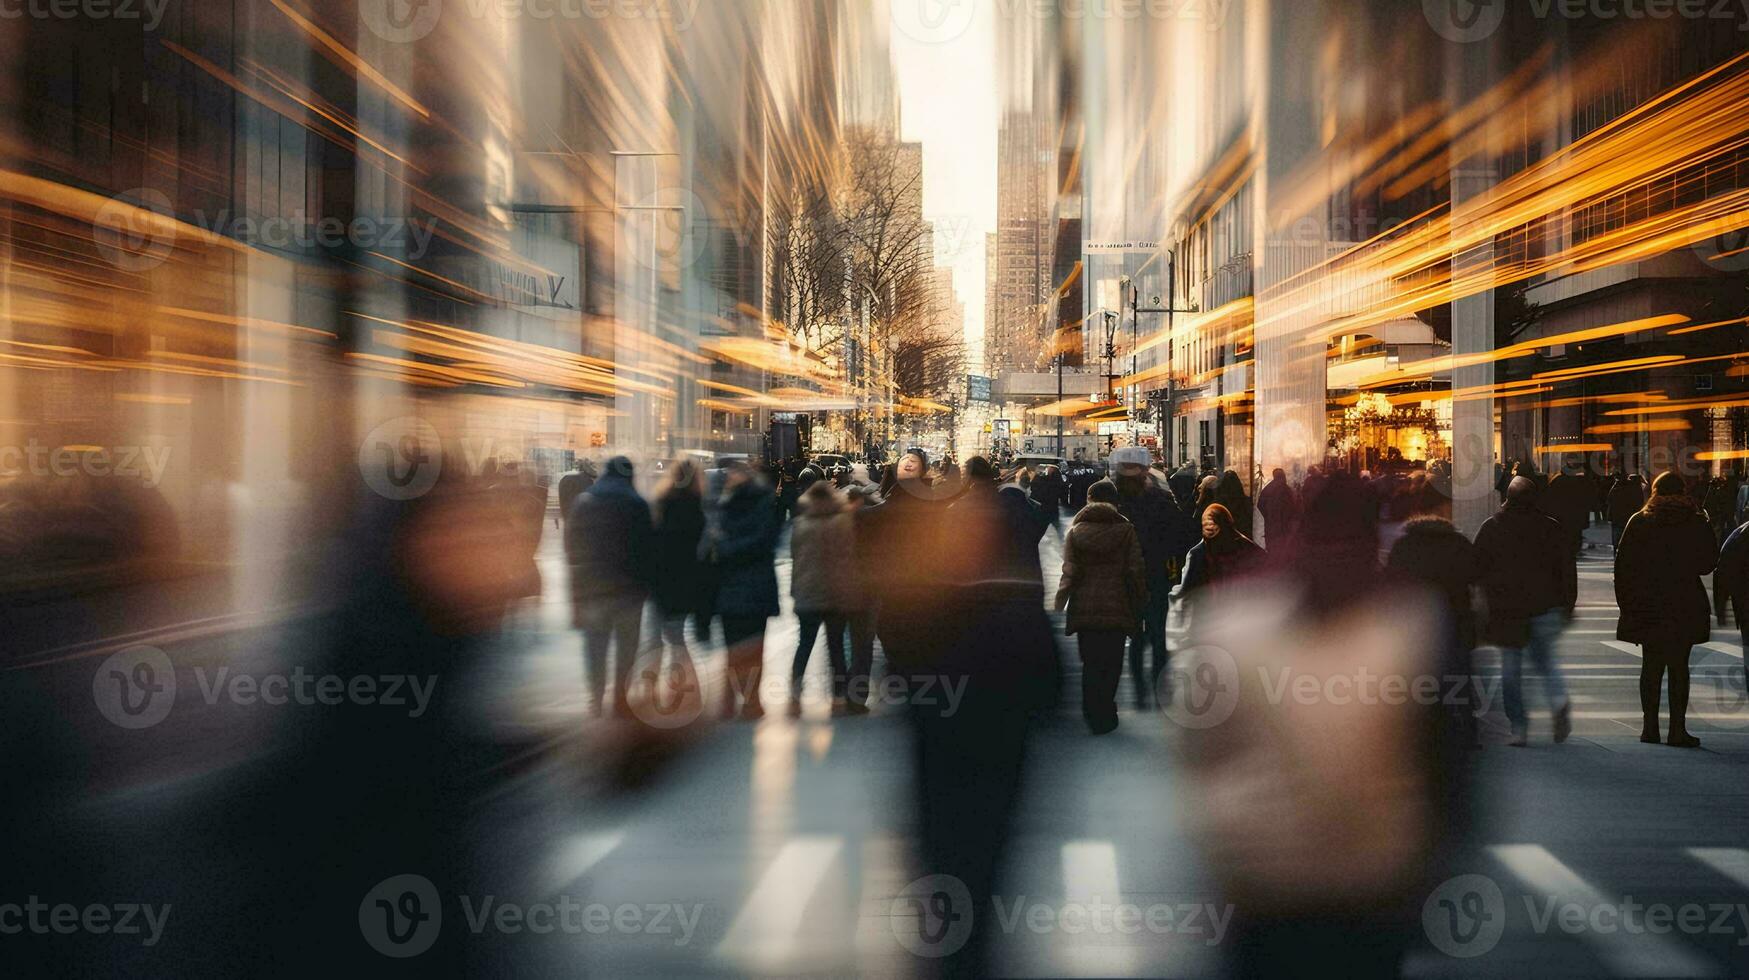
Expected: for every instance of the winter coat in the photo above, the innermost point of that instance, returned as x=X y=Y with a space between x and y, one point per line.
x=680 y=578
x=1218 y=567
x=1163 y=529
x=1230 y=493
x=1665 y=550
x=992 y=628
x=1625 y=500
x=1104 y=584
x=743 y=551
x=1570 y=499
x=609 y=542
x=1048 y=492
x=899 y=543
x=822 y=547
x=1527 y=570
x=1731 y=579
x=1280 y=508
x=573 y=485
x=1435 y=554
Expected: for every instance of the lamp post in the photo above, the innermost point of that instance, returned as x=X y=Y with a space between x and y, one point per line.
x=1169 y=309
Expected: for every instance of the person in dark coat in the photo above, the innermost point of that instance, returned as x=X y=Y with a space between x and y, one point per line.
x=1230 y=493
x=1280 y=507
x=1050 y=491
x=1104 y=587
x=1625 y=500
x=574 y=484
x=743 y=550
x=1731 y=583
x=679 y=578
x=1223 y=556
x=1664 y=551
x=609 y=542
x=1163 y=530
x=1569 y=499
x=1532 y=583
x=997 y=647
x=1435 y=555
x=822 y=570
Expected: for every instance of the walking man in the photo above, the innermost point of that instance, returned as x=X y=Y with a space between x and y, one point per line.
x=1531 y=577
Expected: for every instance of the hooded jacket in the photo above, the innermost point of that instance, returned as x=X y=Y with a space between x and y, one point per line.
x=609 y=540
x=744 y=548
x=1104 y=584
x=1664 y=551
x=1527 y=570
x=822 y=548
x=1435 y=554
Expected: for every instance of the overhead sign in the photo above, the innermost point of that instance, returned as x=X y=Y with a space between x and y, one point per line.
x=1120 y=247
x=977 y=388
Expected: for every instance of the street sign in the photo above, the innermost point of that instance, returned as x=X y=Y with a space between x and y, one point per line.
x=978 y=388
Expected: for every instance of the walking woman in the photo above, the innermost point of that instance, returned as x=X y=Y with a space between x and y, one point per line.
x=1664 y=551
x=1223 y=553
x=822 y=566
x=679 y=576
x=743 y=549
x=1105 y=588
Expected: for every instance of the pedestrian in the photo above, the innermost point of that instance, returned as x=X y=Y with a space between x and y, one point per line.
x=1280 y=507
x=1104 y=587
x=1625 y=500
x=1223 y=556
x=1530 y=574
x=742 y=548
x=1731 y=582
x=679 y=576
x=574 y=484
x=1664 y=551
x=1569 y=499
x=822 y=563
x=1048 y=492
x=861 y=612
x=1434 y=554
x=609 y=543
x=1207 y=494
x=1164 y=535
x=1230 y=493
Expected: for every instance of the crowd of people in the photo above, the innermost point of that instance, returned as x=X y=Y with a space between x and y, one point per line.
x=869 y=561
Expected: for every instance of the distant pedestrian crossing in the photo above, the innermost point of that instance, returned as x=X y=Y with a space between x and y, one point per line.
x=823 y=903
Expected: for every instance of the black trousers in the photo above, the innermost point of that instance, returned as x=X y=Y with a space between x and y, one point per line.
x=1153 y=634
x=618 y=624
x=836 y=627
x=1101 y=668
x=744 y=636
x=862 y=640
x=1661 y=657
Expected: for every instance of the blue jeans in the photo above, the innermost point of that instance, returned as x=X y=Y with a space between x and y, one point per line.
x=1545 y=629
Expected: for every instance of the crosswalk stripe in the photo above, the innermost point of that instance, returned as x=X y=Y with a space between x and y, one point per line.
x=766 y=936
x=1728 y=649
x=1732 y=862
x=1090 y=877
x=1642 y=955
x=1627 y=648
x=577 y=856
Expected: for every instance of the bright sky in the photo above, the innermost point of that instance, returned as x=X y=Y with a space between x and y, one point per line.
x=947 y=98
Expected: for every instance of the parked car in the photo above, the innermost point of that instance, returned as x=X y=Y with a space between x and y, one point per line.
x=832 y=464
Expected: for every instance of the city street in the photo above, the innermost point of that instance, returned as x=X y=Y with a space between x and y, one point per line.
x=783 y=845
